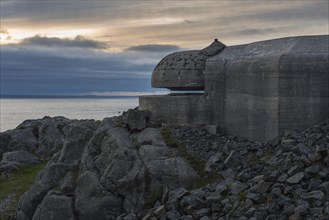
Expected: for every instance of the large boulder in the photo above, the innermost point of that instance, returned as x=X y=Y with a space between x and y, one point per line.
x=31 y=199
x=51 y=135
x=135 y=171
x=4 y=141
x=105 y=170
x=55 y=207
x=21 y=157
x=23 y=139
x=136 y=120
x=151 y=136
x=93 y=201
x=76 y=140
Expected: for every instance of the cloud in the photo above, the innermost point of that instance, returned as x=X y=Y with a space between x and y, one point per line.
x=189 y=24
x=5 y=33
x=254 y=31
x=34 y=70
x=154 y=48
x=79 y=41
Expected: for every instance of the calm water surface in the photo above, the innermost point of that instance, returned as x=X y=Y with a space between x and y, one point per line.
x=15 y=111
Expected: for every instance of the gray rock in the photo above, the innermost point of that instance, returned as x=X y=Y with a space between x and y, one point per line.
x=22 y=157
x=150 y=136
x=325 y=187
x=260 y=213
x=76 y=139
x=52 y=174
x=134 y=201
x=296 y=216
x=262 y=187
x=216 y=207
x=173 y=215
x=238 y=187
x=199 y=193
x=295 y=178
x=67 y=183
x=302 y=207
x=227 y=174
x=131 y=216
x=21 y=216
x=136 y=120
x=24 y=140
x=283 y=178
x=221 y=188
x=160 y=212
x=326 y=211
x=4 y=141
x=213 y=197
x=55 y=207
x=178 y=194
x=293 y=170
x=255 y=197
x=187 y=217
x=313 y=195
x=250 y=212
x=171 y=171
x=276 y=191
x=51 y=136
x=232 y=160
x=316 y=212
x=195 y=201
x=289 y=209
x=312 y=169
x=30 y=199
x=201 y=213
x=301 y=149
x=212 y=162
x=148 y=216
x=93 y=201
x=315 y=156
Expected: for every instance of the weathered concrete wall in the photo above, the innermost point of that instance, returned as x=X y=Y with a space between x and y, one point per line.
x=304 y=84
x=258 y=90
x=177 y=109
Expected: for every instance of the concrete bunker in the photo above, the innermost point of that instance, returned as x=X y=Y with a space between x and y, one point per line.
x=257 y=91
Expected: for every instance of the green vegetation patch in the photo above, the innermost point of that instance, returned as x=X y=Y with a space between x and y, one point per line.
x=155 y=195
x=195 y=163
x=16 y=185
x=169 y=139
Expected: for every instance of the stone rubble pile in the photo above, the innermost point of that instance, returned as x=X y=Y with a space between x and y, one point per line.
x=285 y=178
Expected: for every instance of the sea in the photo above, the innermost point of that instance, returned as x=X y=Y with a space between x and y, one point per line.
x=13 y=111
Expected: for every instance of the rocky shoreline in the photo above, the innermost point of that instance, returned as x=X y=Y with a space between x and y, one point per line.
x=128 y=167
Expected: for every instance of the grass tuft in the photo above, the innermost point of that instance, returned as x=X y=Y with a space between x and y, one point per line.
x=16 y=185
x=155 y=195
x=195 y=163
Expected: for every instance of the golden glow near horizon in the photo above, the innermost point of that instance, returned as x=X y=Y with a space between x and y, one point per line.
x=187 y=24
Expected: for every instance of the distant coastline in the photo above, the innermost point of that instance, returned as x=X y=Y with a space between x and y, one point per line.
x=63 y=97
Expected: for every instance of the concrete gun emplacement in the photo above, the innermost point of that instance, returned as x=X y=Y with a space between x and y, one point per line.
x=257 y=91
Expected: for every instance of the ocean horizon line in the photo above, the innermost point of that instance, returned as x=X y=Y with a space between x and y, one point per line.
x=67 y=96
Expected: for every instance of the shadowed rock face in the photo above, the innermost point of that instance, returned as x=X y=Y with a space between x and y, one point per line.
x=184 y=70
x=101 y=171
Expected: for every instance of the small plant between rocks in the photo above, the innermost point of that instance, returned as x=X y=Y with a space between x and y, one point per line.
x=195 y=163
x=15 y=185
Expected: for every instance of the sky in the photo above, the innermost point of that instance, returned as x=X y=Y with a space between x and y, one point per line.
x=91 y=47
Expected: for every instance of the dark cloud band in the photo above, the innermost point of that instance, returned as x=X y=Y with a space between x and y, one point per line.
x=154 y=48
x=78 y=41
